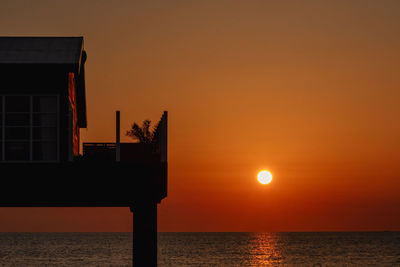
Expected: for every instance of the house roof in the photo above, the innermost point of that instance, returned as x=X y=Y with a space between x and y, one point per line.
x=40 y=50
x=49 y=51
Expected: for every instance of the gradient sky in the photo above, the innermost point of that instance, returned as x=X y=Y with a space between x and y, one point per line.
x=306 y=89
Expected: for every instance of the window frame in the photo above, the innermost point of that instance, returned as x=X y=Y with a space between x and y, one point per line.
x=31 y=126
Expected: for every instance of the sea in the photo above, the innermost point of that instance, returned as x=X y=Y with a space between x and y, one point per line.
x=204 y=249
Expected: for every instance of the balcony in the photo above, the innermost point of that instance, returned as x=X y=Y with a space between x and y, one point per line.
x=97 y=178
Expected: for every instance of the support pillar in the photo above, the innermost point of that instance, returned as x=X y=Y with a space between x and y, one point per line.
x=145 y=234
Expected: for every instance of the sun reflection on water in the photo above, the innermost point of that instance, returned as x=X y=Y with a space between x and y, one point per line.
x=265 y=249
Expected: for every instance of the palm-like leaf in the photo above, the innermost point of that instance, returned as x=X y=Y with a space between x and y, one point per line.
x=142 y=134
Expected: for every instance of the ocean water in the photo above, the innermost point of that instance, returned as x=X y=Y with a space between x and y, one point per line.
x=204 y=249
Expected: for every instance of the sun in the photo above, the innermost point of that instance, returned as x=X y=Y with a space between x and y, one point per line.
x=264 y=177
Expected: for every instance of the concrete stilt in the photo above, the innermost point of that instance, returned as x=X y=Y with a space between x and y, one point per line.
x=145 y=234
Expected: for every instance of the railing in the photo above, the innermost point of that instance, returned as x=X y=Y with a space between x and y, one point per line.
x=130 y=152
x=154 y=152
x=99 y=151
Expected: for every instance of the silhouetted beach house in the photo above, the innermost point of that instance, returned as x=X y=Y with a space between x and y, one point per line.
x=42 y=109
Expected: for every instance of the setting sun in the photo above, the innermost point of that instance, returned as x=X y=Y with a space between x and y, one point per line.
x=264 y=177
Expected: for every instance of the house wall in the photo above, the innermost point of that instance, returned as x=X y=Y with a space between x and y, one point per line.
x=32 y=79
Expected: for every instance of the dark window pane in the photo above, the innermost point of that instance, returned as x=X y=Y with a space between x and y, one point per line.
x=44 y=151
x=17 y=104
x=15 y=119
x=1 y=104
x=44 y=120
x=45 y=104
x=1 y=119
x=1 y=151
x=17 y=133
x=44 y=133
x=1 y=135
x=17 y=150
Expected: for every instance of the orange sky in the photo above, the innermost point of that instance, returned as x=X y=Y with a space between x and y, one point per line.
x=307 y=90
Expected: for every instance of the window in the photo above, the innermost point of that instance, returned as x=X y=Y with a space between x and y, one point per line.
x=29 y=128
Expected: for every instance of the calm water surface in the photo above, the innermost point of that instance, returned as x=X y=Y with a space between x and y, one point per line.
x=204 y=249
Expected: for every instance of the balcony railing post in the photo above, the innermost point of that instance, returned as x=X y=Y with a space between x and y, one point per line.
x=117 y=137
x=164 y=137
